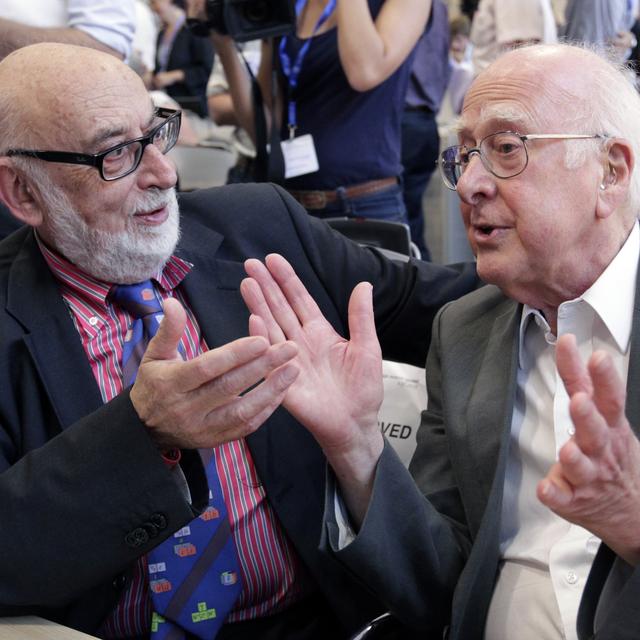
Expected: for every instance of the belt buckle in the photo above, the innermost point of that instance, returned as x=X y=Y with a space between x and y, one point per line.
x=314 y=200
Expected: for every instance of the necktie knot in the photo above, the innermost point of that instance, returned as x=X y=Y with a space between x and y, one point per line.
x=141 y=302
x=138 y=299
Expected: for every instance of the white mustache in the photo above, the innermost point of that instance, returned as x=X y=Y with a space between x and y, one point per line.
x=154 y=199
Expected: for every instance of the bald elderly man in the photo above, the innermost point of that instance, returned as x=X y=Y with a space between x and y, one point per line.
x=100 y=475
x=525 y=522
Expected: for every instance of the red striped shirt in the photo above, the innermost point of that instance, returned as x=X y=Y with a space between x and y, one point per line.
x=268 y=563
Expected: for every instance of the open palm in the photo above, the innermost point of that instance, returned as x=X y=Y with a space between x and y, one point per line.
x=339 y=390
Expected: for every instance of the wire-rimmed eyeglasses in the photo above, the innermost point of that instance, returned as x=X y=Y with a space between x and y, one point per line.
x=504 y=154
x=122 y=159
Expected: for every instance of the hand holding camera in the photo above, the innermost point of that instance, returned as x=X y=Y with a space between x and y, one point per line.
x=243 y=20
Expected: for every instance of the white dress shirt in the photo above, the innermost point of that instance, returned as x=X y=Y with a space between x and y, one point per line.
x=532 y=537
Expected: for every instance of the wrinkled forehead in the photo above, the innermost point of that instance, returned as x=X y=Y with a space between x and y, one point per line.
x=84 y=120
x=71 y=105
x=524 y=99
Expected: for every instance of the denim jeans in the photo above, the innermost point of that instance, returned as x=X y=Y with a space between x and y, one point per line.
x=382 y=205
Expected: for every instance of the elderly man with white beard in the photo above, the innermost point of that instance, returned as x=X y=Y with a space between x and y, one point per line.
x=112 y=455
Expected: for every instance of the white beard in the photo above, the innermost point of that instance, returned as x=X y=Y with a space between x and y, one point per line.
x=125 y=257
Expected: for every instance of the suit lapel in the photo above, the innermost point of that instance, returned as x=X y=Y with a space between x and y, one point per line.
x=50 y=337
x=490 y=407
x=633 y=376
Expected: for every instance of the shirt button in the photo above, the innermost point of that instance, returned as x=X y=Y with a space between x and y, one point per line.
x=93 y=321
x=571 y=430
x=592 y=545
x=571 y=577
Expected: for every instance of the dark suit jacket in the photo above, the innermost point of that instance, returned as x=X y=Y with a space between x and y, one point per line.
x=8 y=224
x=83 y=491
x=439 y=558
x=193 y=55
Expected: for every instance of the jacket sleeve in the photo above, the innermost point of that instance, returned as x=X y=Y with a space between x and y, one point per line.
x=82 y=507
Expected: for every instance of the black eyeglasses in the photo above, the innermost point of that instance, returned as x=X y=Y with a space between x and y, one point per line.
x=124 y=158
x=504 y=154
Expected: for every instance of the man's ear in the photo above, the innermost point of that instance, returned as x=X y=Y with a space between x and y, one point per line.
x=17 y=194
x=616 y=177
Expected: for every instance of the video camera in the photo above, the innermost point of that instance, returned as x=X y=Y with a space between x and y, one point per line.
x=247 y=19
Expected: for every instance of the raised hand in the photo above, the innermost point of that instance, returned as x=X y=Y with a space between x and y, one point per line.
x=339 y=390
x=197 y=403
x=596 y=481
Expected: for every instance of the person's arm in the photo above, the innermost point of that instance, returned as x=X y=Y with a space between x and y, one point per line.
x=239 y=82
x=348 y=372
x=14 y=35
x=108 y=27
x=371 y=51
x=237 y=75
x=221 y=109
x=101 y=489
x=336 y=397
x=80 y=508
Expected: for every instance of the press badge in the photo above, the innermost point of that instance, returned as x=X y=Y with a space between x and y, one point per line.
x=299 y=156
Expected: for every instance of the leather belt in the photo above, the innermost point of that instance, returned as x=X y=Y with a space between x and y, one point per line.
x=320 y=199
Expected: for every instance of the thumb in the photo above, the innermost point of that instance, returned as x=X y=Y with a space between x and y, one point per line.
x=164 y=345
x=362 y=326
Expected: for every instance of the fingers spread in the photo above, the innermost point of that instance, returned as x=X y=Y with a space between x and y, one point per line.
x=257 y=327
x=212 y=364
x=253 y=297
x=245 y=414
x=282 y=312
x=295 y=292
x=591 y=431
x=609 y=391
x=578 y=468
x=570 y=366
x=554 y=491
x=227 y=387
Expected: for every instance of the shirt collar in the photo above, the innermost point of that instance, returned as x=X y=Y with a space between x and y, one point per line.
x=611 y=296
x=93 y=290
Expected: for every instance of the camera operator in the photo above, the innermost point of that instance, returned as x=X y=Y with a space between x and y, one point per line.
x=340 y=89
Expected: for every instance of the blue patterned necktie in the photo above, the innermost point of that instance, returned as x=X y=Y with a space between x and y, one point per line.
x=141 y=302
x=193 y=575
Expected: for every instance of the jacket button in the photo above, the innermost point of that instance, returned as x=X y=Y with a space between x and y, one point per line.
x=119 y=582
x=136 y=538
x=159 y=521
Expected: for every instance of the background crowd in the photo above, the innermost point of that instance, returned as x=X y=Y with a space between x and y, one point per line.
x=410 y=101
x=251 y=488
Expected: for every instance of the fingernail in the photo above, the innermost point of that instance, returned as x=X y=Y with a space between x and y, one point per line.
x=546 y=489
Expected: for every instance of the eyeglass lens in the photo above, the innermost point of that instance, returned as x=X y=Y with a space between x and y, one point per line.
x=503 y=154
x=125 y=159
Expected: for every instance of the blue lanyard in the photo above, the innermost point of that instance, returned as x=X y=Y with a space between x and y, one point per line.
x=292 y=71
